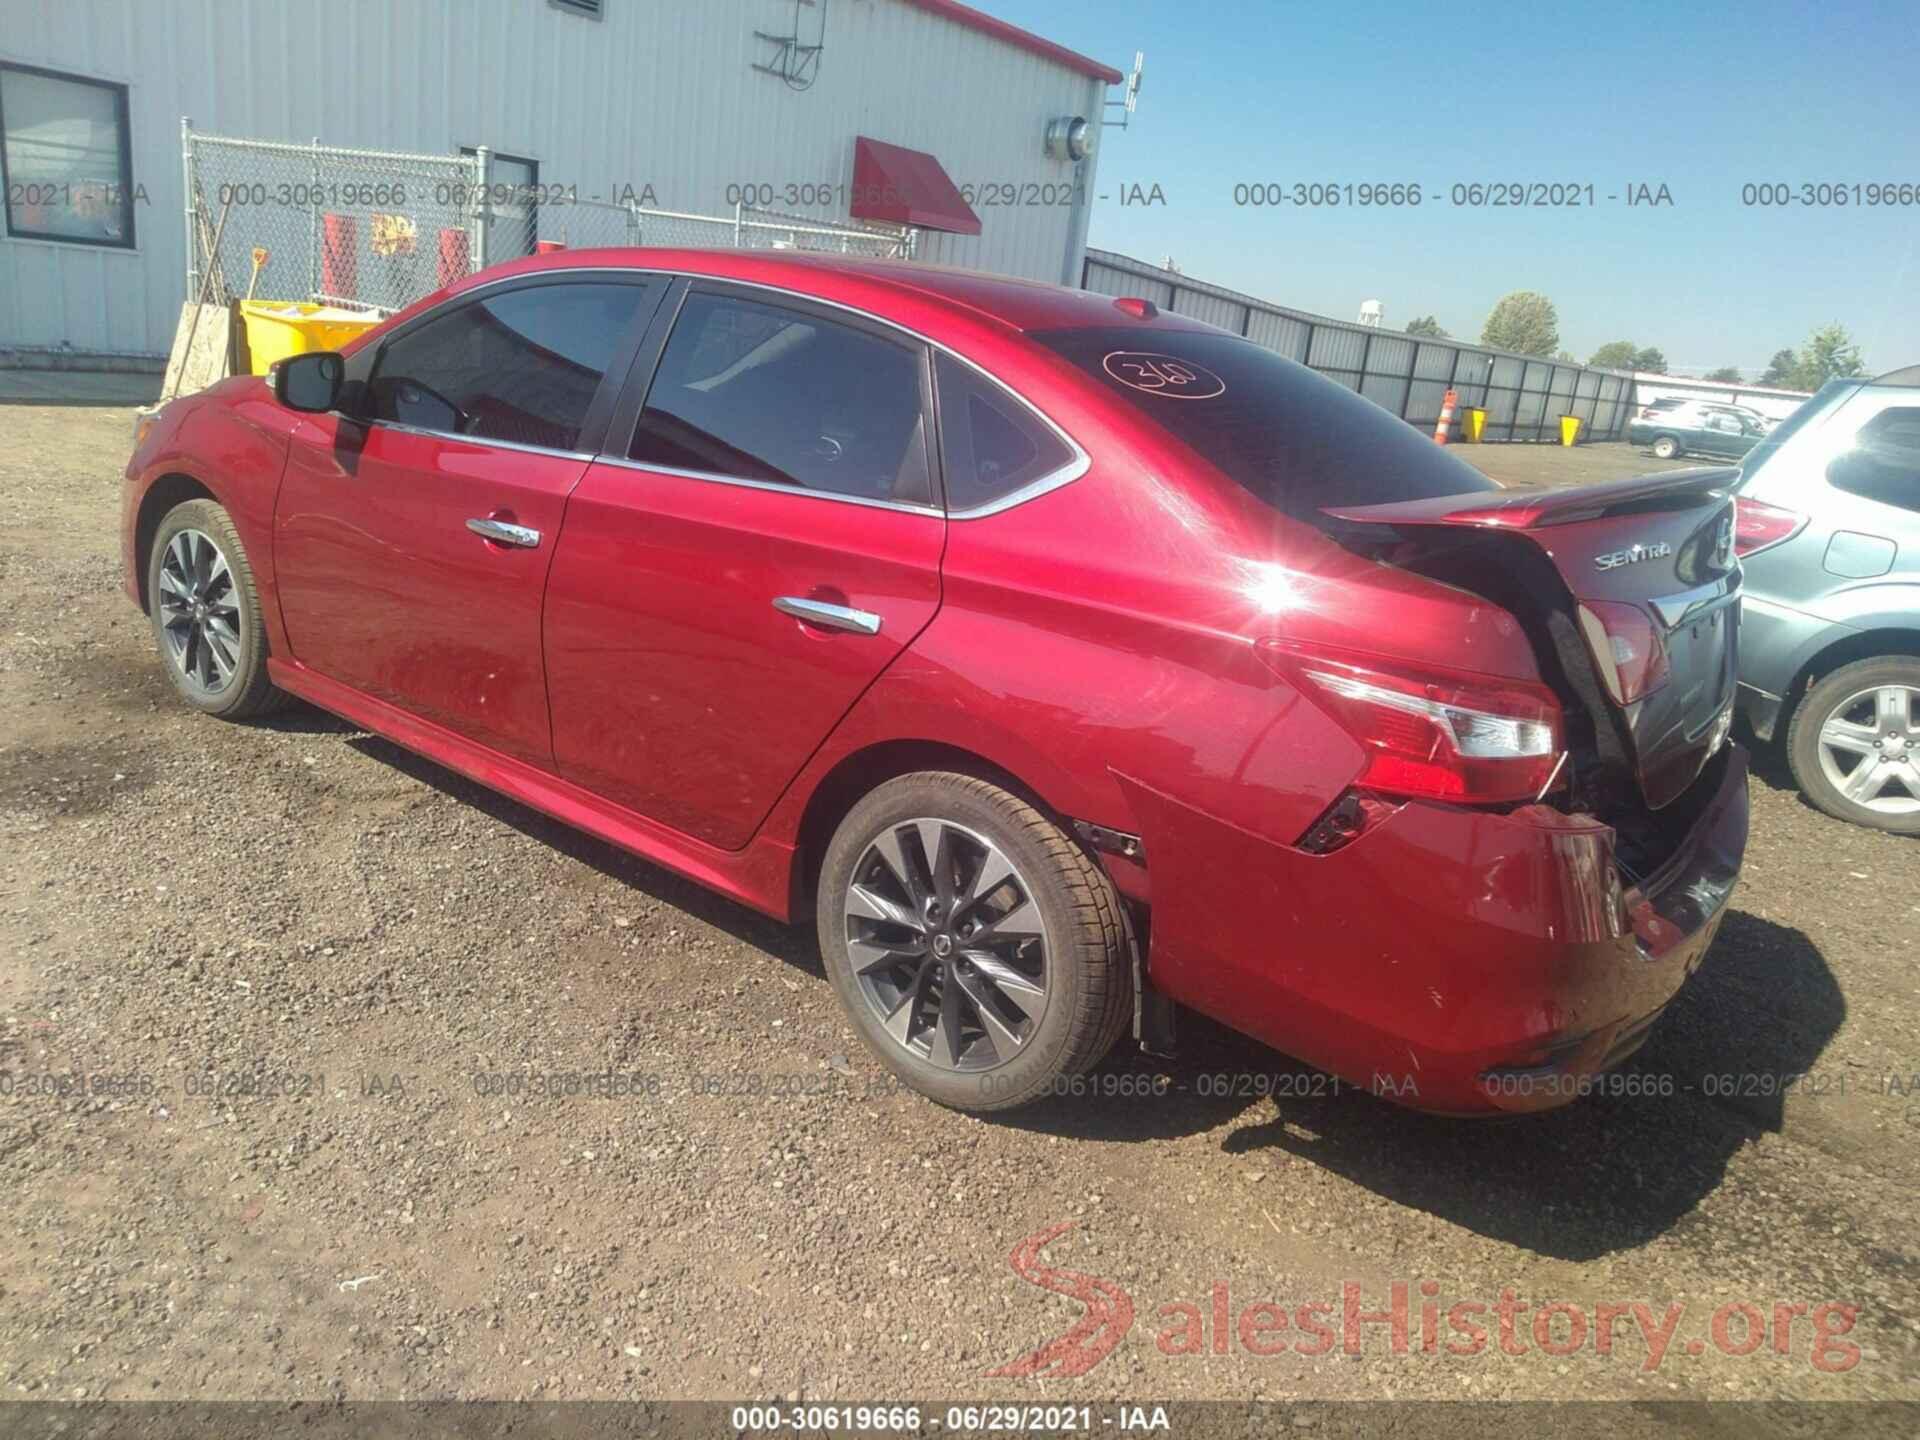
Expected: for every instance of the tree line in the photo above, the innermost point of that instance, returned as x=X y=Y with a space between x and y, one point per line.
x=1526 y=321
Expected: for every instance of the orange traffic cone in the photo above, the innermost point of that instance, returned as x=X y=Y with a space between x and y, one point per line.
x=1446 y=418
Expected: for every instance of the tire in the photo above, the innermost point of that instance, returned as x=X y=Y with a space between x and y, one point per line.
x=1823 y=761
x=205 y=612
x=1009 y=1045
x=1665 y=447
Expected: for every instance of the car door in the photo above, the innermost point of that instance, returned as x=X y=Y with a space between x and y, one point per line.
x=762 y=540
x=1719 y=434
x=413 y=534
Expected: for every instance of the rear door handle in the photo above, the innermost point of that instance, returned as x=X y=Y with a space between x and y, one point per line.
x=834 y=617
x=505 y=533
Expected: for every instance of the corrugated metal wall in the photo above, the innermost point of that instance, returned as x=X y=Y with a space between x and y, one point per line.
x=1524 y=397
x=658 y=92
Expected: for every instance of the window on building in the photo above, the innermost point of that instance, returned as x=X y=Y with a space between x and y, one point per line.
x=758 y=392
x=521 y=367
x=990 y=444
x=66 y=157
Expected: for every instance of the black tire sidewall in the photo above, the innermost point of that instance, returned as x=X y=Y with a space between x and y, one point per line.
x=1813 y=711
x=1048 y=1057
x=250 y=683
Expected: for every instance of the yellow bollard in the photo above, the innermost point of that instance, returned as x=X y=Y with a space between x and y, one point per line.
x=1569 y=429
x=1475 y=425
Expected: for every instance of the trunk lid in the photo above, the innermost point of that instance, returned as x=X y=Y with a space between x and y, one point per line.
x=1661 y=544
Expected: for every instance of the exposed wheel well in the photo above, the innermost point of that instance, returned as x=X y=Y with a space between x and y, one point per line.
x=1862 y=645
x=858 y=773
x=165 y=493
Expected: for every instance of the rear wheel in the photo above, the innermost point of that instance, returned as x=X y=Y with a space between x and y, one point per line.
x=1854 y=744
x=977 y=949
x=206 y=614
x=1665 y=448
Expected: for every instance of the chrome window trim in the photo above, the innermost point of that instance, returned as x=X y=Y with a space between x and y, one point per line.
x=1032 y=490
x=487 y=440
x=768 y=485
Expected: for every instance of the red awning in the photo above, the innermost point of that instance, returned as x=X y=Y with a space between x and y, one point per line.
x=906 y=187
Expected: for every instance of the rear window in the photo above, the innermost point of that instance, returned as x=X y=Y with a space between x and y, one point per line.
x=1297 y=440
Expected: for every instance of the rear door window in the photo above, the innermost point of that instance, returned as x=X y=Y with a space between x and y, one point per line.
x=992 y=446
x=1884 y=462
x=522 y=366
x=751 y=391
x=1297 y=440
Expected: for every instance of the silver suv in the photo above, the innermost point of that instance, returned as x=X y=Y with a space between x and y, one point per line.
x=1829 y=531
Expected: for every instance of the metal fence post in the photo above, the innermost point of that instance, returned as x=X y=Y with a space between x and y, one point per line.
x=314 y=226
x=483 y=204
x=187 y=179
x=738 y=216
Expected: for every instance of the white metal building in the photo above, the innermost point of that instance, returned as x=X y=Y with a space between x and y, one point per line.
x=687 y=101
x=1770 y=401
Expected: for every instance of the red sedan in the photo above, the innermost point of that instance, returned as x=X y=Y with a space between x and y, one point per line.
x=1063 y=658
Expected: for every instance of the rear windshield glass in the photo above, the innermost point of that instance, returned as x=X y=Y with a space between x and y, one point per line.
x=1297 y=440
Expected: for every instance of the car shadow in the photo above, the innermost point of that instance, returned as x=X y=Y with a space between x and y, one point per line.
x=1608 y=1173
x=795 y=944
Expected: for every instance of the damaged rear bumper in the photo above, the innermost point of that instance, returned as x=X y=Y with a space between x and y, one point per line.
x=1454 y=960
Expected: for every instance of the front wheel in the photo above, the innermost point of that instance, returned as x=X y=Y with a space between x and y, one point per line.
x=1854 y=744
x=1665 y=448
x=977 y=949
x=206 y=614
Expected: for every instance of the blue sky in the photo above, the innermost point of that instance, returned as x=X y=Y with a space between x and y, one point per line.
x=1701 y=98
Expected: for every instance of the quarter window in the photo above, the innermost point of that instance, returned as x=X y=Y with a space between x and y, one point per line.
x=752 y=391
x=521 y=367
x=65 y=156
x=991 y=445
x=1884 y=463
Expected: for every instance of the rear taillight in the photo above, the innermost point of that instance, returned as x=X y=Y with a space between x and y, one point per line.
x=1627 y=649
x=1758 y=527
x=1648 y=413
x=1433 y=733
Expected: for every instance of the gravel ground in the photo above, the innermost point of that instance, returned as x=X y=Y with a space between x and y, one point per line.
x=336 y=938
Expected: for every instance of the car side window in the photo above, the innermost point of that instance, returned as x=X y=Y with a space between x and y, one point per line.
x=752 y=391
x=991 y=445
x=1884 y=463
x=522 y=367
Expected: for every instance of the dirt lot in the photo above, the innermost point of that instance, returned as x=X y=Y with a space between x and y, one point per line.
x=1528 y=467
x=336 y=939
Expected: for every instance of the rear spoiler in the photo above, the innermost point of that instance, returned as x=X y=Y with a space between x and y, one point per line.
x=1535 y=509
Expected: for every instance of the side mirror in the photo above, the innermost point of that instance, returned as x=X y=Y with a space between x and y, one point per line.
x=309 y=382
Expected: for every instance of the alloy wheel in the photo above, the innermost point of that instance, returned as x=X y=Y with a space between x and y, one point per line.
x=200 y=612
x=1870 y=749
x=947 y=944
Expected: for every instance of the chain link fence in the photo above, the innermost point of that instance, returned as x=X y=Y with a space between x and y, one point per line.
x=377 y=230
x=366 y=229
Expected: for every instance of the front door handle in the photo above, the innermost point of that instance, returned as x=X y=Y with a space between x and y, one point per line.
x=505 y=533
x=834 y=617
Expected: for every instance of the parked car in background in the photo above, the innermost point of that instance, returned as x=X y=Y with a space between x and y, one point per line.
x=1674 y=427
x=1829 y=533
x=999 y=629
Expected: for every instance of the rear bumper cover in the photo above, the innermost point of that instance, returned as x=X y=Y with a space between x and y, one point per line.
x=1452 y=960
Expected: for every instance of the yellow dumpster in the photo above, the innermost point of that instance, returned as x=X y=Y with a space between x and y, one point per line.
x=1569 y=429
x=279 y=328
x=1475 y=424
